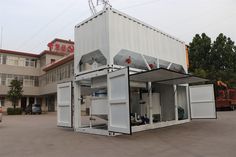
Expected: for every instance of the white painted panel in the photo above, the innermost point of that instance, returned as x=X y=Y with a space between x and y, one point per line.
x=202 y=101
x=156 y=103
x=99 y=106
x=201 y=93
x=64 y=105
x=203 y=110
x=145 y=40
x=91 y=36
x=118 y=101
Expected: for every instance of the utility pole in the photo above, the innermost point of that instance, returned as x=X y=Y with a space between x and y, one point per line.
x=1 y=38
x=93 y=5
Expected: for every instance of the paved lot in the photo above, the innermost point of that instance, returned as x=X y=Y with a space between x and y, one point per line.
x=38 y=136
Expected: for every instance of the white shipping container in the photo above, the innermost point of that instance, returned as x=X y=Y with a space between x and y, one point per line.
x=112 y=31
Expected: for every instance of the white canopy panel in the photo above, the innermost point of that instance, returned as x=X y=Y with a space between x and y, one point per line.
x=165 y=76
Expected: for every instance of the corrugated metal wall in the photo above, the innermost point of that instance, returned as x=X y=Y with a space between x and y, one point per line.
x=126 y=33
x=90 y=36
x=112 y=31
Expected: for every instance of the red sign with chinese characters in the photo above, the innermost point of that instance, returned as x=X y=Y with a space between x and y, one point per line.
x=61 y=47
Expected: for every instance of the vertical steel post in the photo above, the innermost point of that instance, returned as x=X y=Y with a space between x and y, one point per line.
x=176 y=102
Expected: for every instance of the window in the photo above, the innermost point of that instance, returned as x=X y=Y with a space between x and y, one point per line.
x=43 y=61
x=8 y=81
x=21 y=62
x=27 y=62
x=3 y=79
x=4 y=59
x=30 y=62
x=36 y=81
x=53 y=60
x=11 y=60
x=2 y=102
x=28 y=83
x=72 y=69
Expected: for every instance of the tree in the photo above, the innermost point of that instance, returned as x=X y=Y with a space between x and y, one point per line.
x=15 y=92
x=215 y=61
x=199 y=52
x=223 y=54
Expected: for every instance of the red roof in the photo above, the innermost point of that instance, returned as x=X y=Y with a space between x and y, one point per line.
x=32 y=54
x=62 y=40
x=42 y=53
x=19 y=53
x=59 y=62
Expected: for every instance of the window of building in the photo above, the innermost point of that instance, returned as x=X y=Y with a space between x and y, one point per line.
x=53 y=60
x=28 y=83
x=2 y=101
x=21 y=62
x=30 y=62
x=72 y=69
x=27 y=62
x=12 y=60
x=8 y=81
x=42 y=61
x=4 y=59
x=3 y=79
x=36 y=81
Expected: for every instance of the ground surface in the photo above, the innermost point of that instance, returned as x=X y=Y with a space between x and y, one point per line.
x=38 y=136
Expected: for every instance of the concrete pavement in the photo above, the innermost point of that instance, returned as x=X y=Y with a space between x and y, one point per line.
x=38 y=136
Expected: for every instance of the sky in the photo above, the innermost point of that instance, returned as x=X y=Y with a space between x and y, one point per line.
x=28 y=25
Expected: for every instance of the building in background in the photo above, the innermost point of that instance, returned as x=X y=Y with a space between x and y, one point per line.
x=39 y=73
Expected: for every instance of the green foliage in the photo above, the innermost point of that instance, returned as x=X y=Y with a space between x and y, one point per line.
x=223 y=54
x=215 y=61
x=15 y=92
x=14 y=111
x=199 y=52
x=200 y=72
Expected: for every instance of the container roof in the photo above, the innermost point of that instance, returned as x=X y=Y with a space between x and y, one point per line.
x=128 y=17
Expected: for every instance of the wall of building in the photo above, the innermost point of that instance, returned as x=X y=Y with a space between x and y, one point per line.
x=37 y=84
x=18 y=70
x=48 y=81
x=46 y=60
x=24 y=68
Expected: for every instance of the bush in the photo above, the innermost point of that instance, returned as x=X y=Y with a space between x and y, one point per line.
x=11 y=111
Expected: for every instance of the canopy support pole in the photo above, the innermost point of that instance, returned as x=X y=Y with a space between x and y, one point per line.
x=176 y=102
x=149 y=92
x=77 y=105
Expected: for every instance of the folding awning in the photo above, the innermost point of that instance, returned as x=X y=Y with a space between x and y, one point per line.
x=165 y=76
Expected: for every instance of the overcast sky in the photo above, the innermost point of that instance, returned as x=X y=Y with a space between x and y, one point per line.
x=28 y=25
